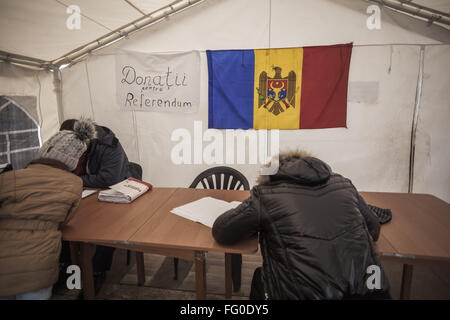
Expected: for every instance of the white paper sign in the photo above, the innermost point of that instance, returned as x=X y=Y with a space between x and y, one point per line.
x=167 y=82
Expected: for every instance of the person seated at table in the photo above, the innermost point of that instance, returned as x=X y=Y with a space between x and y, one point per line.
x=103 y=164
x=34 y=203
x=316 y=234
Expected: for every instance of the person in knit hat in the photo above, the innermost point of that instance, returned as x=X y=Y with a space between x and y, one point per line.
x=104 y=163
x=34 y=203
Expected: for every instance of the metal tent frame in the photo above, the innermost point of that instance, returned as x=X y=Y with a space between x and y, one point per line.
x=122 y=32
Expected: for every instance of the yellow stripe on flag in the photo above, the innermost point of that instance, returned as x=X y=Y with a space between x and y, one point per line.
x=278 y=82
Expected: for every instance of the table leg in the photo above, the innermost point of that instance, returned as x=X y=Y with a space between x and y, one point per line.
x=228 y=278
x=405 y=290
x=200 y=275
x=140 y=268
x=87 y=271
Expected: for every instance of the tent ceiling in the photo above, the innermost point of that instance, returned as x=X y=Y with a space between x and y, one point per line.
x=38 y=28
x=440 y=5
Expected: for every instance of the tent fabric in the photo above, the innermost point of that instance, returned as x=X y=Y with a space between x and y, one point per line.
x=373 y=151
x=53 y=38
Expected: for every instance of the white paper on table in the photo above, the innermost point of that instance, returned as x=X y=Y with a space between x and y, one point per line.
x=205 y=210
x=87 y=193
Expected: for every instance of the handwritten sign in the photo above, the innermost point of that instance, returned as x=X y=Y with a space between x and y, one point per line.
x=165 y=82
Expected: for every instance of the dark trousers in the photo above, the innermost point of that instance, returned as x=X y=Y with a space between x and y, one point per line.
x=257 y=291
x=101 y=261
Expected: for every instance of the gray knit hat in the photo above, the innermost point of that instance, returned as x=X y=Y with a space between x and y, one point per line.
x=68 y=146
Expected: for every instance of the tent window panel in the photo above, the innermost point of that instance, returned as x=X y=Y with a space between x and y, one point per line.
x=21 y=159
x=3 y=100
x=3 y=159
x=19 y=131
x=13 y=118
x=3 y=143
x=23 y=140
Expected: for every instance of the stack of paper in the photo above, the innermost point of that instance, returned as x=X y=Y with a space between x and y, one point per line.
x=125 y=191
x=111 y=195
x=205 y=210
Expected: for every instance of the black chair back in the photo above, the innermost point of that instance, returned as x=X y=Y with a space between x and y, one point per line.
x=232 y=180
x=135 y=170
x=225 y=178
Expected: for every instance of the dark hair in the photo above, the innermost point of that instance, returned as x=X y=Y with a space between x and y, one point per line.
x=68 y=125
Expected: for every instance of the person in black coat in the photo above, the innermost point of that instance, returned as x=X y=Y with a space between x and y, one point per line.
x=103 y=164
x=316 y=234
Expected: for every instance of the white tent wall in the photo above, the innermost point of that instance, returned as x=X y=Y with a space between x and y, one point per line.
x=432 y=165
x=373 y=151
x=19 y=81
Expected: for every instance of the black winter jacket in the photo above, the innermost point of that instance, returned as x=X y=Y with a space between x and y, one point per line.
x=107 y=162
x=316 y=233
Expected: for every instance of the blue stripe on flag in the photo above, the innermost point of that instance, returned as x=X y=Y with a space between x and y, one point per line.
x=230 y=92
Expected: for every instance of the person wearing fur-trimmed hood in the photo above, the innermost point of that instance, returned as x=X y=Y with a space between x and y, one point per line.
x=316 y=233
x=35 y=203
x=105 y=162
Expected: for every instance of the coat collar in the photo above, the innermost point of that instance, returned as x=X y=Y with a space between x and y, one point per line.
x=50 y=162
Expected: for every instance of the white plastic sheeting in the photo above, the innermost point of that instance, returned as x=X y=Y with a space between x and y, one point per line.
x=373 y=151
x=38 y=28
x=432 y=164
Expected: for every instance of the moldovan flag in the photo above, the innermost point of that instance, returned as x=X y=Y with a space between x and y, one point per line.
x=289 y=88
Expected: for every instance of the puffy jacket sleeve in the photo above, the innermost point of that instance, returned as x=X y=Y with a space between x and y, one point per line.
x=109 y=173
x=237 y=224
x=74 y=201
x=73 y=208
x=372 y=221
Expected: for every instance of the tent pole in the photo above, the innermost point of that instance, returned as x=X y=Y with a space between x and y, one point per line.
x=412 y=149
x=416 y=10
x=125 y=30
x=24 y=60
x=57 y=83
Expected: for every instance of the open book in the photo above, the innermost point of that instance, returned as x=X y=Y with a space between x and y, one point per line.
x=205 y=210
x=125 y=191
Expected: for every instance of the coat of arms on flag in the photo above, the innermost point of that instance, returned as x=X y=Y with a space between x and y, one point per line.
x=277 y=93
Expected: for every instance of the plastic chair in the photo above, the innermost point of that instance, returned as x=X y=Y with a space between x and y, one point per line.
x=225 y=178
x=136 y=172
x=237 y=181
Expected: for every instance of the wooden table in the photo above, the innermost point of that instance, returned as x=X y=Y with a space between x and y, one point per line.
x=146 y=225
x=419 y=231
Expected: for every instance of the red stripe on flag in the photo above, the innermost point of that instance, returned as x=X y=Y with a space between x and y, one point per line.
x=324 y=86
